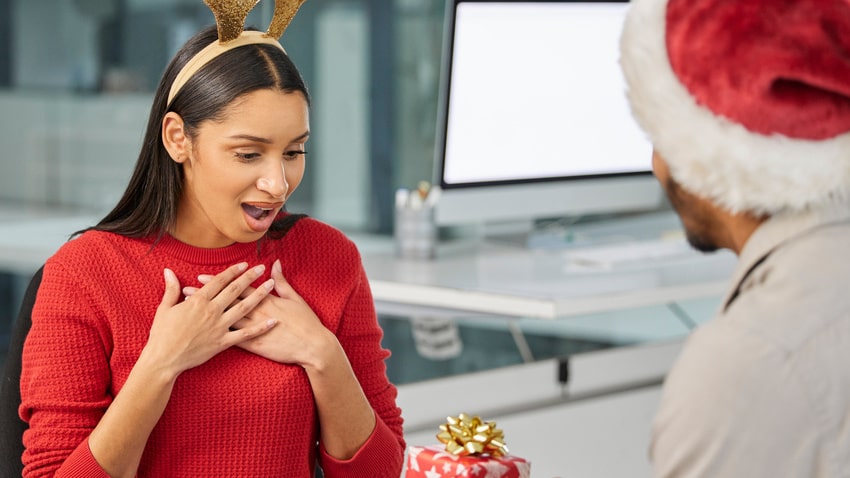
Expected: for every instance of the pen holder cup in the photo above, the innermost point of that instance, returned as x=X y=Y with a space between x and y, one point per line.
x=415 y=233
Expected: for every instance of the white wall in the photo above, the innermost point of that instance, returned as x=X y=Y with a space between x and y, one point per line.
x=602 y=438
x=596 y=427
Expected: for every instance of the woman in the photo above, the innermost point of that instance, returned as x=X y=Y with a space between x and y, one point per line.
x=267 y=361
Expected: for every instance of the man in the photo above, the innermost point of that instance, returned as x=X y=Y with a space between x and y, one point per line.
x=747 y=103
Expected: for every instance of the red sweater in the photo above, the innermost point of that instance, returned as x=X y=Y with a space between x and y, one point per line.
x=238 y=415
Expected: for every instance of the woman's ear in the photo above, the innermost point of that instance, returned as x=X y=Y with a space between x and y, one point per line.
x=174 y=137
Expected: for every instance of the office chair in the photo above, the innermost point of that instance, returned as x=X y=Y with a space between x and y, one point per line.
x=11 y=426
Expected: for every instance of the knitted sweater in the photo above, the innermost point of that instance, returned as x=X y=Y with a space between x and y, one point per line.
x=237 y=415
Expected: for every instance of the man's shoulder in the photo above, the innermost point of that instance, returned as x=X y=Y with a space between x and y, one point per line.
x=722 y=351
x=737 y=402
x=726 y=383
x=819 y=256
x=797 y=292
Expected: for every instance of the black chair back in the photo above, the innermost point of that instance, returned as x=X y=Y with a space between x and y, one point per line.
x=11 y=426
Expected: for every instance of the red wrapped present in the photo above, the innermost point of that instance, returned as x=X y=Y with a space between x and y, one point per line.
x=435 y=462
x=472 y=448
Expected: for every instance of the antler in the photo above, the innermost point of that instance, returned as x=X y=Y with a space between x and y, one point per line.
x=230 y=16
x=284 y=12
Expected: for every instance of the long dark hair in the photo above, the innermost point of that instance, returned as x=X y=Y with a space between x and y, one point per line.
x=149 y=204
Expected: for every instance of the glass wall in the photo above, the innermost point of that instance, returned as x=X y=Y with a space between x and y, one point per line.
x=77 y=79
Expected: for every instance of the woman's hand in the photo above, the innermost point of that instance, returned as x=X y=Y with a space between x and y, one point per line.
x=300 y=338
x=345 y=414
x=187 y=333
x=184 y=334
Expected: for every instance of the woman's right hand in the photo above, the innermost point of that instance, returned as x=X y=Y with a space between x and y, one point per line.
x=184 y=334
x=187 y=333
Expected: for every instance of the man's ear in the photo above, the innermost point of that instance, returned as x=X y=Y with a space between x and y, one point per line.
x=174 y=137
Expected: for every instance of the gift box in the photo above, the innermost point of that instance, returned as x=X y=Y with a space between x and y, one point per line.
x=471 y=448
x=434 y=461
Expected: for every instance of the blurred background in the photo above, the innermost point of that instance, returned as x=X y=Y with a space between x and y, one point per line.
x=77 y=79
x=76 y=83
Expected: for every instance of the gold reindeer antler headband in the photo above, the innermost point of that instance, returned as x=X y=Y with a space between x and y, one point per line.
x=230 y=16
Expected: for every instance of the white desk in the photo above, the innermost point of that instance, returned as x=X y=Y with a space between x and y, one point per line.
x=485 y=277
x=509 y=281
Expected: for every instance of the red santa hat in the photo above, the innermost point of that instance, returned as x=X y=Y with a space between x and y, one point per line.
x=748 y=101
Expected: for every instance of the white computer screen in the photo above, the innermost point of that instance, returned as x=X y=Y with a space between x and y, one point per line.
x=536 y=92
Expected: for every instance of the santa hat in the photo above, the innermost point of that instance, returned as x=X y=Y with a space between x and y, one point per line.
x=748 y=101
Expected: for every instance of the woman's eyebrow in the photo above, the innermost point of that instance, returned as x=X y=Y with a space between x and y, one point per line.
x=302 y=137
x=251 y=138
x=259 y=139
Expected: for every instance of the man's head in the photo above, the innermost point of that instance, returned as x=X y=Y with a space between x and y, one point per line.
x=747 y=102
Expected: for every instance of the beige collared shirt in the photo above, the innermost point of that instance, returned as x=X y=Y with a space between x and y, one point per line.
x=763 y=389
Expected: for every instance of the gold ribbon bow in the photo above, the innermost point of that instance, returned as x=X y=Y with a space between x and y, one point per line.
x=464 y=435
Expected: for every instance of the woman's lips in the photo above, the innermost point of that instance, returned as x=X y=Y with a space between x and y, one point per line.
x=265 y=205
x=260 y=215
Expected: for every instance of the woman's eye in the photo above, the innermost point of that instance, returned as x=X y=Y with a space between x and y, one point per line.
x=247 y=156
x=290 y=155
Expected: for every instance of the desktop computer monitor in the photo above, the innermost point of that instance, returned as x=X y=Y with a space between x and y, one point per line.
x=534 y=121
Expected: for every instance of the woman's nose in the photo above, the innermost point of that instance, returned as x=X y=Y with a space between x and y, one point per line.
x=274 y=183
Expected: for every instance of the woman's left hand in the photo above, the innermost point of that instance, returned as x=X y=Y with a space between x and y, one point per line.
x=299 y=337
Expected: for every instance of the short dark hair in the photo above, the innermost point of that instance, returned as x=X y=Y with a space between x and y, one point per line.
x=149 y=204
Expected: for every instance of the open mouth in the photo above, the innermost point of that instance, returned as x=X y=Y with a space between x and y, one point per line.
x=259 y=216
x=258 y=213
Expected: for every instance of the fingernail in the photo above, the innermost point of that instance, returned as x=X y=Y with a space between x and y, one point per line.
x=271 y=323
x=276 y=267
x=204 y=278
x=169 y=275
x=242 y=266
x=269 y=285
x=259 y=269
